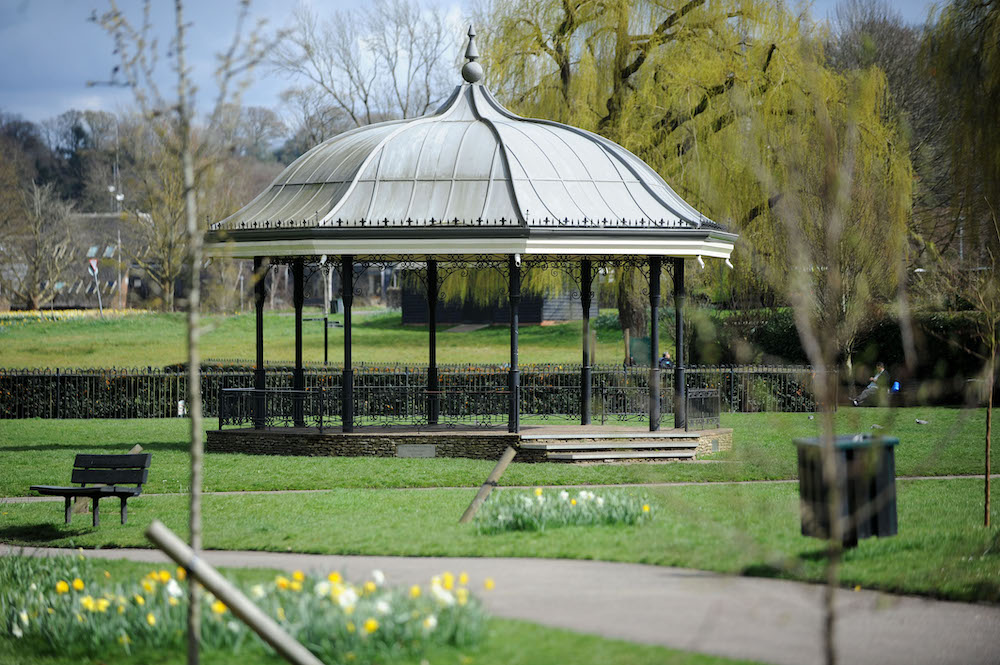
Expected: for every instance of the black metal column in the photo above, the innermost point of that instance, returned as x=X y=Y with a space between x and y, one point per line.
x=433 y=398
x=655 y=263
x=514 y=381
x=586 y=295
x=298 y=378
x=260 y=295
x=347 y=390
x=680 y=405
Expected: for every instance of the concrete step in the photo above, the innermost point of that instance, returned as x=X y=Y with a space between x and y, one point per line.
x=616 y=445
x=611 y=435
x=597 y=455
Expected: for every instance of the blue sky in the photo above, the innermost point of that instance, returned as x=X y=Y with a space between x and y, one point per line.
x=49 y=50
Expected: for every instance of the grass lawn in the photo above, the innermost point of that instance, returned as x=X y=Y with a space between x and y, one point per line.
x=504 y=644
x=42 y=451
x=941 y=550
x=159 y=339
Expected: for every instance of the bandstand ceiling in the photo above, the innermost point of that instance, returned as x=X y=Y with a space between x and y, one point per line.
x=469 y=178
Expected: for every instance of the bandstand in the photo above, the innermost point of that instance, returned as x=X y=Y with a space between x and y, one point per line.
x=471 y=187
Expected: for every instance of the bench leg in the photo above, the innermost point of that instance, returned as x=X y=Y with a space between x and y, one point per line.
x=69 y=508
x=97 y=513
x=124 y=511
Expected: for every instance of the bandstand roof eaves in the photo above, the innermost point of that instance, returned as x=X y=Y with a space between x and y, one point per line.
x=418 y=241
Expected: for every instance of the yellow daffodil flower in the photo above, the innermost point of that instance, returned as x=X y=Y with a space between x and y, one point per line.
x=489 y=584
x=463 y=579
x=219 y=607
x=151 y=619
x=645 y=507
x=282 y=582
x=448 y=581
x=103 y=604
x=370 y=586
x=298 y=576
x=334 y=578
x=139 y=600
x=88 y=603
x=295 y=585
x=350 y=626
x=414 y=591
x=78 y=584
x=538 y=491
x=181 y=574
x=173 y=602
x=371 y=625
x=462 y=594
x=163 y=576
x=107 y=575
x=62 y=587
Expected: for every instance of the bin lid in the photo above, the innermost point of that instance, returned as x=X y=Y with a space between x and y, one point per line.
x=844 y=441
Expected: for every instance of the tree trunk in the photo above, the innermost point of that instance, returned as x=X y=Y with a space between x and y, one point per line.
x=631 y=305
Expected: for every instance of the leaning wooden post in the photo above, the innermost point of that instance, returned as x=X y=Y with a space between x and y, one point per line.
x=488 y=486
x=241 y=606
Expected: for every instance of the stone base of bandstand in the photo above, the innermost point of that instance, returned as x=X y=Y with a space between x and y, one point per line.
x=535 y=443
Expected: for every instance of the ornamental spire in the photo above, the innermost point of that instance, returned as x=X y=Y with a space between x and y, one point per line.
x=472 y=71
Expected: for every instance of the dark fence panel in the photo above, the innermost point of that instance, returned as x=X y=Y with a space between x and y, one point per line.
x=397 y=394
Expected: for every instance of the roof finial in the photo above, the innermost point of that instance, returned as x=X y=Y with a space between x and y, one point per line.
x=472 y=71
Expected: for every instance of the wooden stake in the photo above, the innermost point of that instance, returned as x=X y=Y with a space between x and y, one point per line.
x=488 y=486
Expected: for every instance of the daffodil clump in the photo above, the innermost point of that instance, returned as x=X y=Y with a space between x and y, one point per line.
x=73 y=608
x=512 y=510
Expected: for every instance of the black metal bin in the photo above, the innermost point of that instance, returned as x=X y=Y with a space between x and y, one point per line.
x=866 y=478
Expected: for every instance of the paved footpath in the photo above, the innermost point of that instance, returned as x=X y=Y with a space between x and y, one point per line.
x=772 y=621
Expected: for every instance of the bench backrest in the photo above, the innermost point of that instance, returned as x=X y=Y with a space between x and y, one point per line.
x=111 y=469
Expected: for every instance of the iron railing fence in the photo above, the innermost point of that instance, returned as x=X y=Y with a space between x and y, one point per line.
x=282 y=407
x=397 y=394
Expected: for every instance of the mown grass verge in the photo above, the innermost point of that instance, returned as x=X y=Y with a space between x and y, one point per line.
x=42 y=452
x=941 y=550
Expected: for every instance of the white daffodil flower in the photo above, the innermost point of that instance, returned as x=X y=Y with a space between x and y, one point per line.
x=257 y=591
x=174 y=589
x=347 y=598
x=378 y=577
x=382 y=607
x=564 y=496
x=322 y=588
x=430 y=623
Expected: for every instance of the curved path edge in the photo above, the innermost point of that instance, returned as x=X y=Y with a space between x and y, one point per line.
x=767 y=620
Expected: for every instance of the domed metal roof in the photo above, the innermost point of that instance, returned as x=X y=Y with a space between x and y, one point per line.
x=471 y=163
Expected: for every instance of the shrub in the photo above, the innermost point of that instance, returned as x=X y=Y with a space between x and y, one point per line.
x=521 y=511
x=71 y=607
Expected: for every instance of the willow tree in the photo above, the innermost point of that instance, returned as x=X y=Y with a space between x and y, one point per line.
x=963 y=57
x=702 y=91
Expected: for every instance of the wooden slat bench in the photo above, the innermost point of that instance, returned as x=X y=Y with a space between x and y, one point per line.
x=107 y=476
